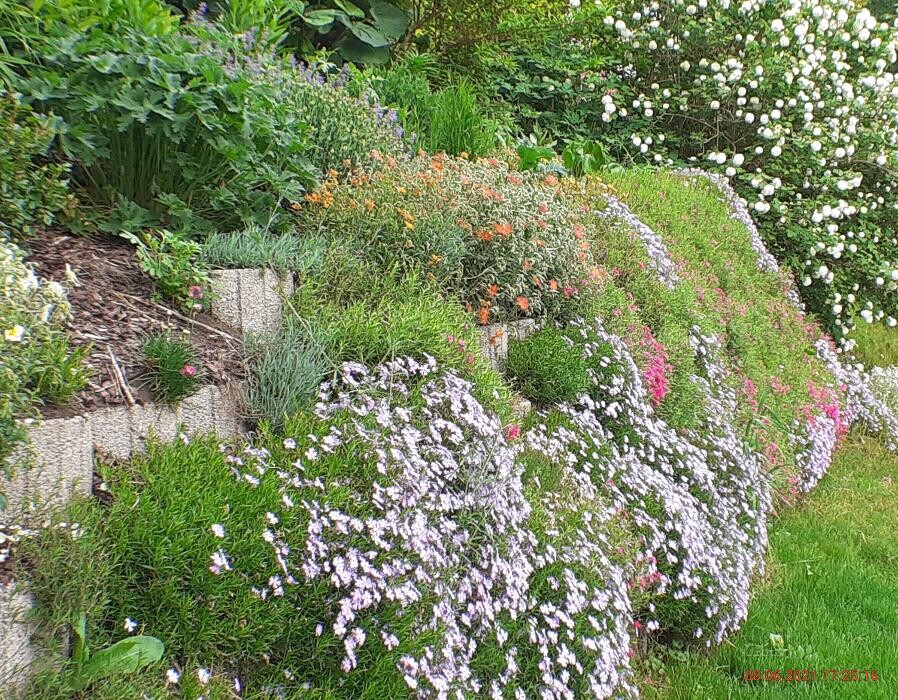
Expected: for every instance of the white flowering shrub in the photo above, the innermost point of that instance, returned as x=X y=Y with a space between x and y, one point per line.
x=796 y=101
x=884 y=385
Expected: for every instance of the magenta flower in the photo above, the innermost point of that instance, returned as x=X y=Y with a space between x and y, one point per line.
x=195 y=292
x=188 y=371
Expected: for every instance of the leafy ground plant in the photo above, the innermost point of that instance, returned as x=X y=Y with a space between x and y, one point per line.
x=172 y=370
x=38 y=363
x=176 y=266
x=128 y=655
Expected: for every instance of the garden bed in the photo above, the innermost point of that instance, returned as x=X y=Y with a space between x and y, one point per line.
x=113 y=309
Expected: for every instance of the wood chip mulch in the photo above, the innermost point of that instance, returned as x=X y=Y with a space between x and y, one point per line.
x=114 y=307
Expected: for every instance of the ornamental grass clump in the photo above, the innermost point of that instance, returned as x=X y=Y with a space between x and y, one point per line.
x=507 y=244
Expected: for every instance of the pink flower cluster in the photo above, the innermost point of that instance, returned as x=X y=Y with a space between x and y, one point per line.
x=657 y=367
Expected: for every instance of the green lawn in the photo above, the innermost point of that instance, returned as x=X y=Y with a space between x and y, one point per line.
x=831 y=595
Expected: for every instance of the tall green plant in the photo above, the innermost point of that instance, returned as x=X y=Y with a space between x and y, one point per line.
x=176 y=126
x=457 y=123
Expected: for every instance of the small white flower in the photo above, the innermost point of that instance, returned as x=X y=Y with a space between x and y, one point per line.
x=203 y=674
x=289 y=444
x=130 y=625
x=14 y=334
x=172 y=676
x=218 y=530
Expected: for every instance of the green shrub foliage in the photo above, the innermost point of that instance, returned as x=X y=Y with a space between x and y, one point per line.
x=795 y=102
x=547 y=368
x=32 y=191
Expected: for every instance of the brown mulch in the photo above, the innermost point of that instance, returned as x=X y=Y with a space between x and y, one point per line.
x=114 y=307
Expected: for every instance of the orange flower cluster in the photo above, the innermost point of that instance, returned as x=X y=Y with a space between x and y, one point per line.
x=407 y=217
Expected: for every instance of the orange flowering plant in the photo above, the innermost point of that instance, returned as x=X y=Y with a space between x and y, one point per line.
x=509 y=244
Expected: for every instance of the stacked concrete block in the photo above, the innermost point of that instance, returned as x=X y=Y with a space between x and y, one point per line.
x=56 y=465
x=111 y=431
x=250 y=300
x=17 y=653
x=494 y=339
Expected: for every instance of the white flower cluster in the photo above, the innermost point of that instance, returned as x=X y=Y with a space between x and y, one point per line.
x=28 y=305
x=797 y=102
x=884 y=385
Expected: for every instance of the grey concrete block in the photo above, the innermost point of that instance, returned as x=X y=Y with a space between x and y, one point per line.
x=520 y=406
x=494 y=344
x=250 y=299
x=227 y=401
x=111 y=431
x=54 y=466
x=520 y=330
x=260 y=299
x=196 y=413
x=17 y=653
x=159 y=421
x=226 y=297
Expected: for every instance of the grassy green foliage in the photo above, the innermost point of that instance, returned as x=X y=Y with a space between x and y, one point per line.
x=454 y=119
x=828 y=601
x=38 y=363
x=875 y=345
x=147 y=558
x=172 y=370
x=364 y=316
x=546 y=368
x=456 y=123
x=253 y=247
x=32 y=194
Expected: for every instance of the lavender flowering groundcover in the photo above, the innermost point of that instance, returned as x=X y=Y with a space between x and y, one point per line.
x=422 y=544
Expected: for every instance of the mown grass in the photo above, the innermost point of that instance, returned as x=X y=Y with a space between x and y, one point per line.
x=830 y=595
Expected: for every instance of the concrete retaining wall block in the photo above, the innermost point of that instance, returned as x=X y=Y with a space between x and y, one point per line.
x=17 y=654
x=57 y=464
x=250 y=299
x=494 y=339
